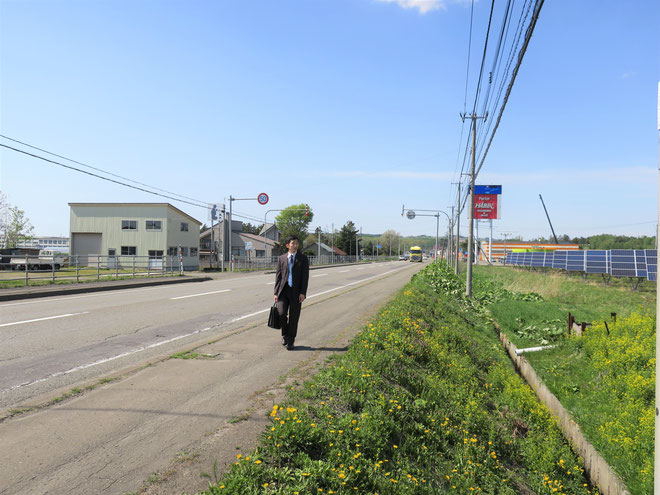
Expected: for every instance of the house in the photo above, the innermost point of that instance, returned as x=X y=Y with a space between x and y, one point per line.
x=325 y=250
x=270 y=231
x=243 y=244
x=104 y=231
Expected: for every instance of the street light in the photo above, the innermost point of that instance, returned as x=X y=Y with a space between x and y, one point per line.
x=411 y=214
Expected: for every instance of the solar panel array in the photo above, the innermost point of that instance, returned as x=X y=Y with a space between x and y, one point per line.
x=652 y=264
x=639 y=263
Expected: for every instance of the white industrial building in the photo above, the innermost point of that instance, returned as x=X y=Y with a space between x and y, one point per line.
x=60 y=244
x=133 y=229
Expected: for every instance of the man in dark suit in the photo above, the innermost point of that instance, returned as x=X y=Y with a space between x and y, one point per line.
x=290 y=289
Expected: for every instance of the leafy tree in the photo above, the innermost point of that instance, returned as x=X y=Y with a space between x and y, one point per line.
x=345 y=240
x=248 y=228
x=14 y=225
x=204 y=228
x=293 y=220
x=390 y=240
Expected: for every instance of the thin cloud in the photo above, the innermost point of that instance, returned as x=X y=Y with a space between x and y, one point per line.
x=423 y=6
x=393 y=174
x=639 y=175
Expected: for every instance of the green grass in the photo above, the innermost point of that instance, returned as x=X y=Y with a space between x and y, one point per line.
x=532 y=323
x=424 y=401
x=606 y=378
x=45 y=278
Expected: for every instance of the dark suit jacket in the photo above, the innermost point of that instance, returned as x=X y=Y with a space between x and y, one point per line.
x=300 y=274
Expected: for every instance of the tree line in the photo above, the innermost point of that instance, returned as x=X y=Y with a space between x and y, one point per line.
x=605 y=241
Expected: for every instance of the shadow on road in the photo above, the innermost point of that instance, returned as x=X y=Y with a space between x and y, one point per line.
x=330 y=349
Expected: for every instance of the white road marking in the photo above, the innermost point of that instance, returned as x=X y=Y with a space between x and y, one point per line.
x=344 y=271
x=42 y=319
x=320 y=275
x=202 y=294
x=270 y=283
x=101 y=361
x=173 y=339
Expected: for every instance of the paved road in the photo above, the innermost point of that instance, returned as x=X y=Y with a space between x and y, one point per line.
x=110 y=439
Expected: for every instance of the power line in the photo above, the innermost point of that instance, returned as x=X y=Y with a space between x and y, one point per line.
x=95 y=168
x=521 y=54
x=100 y=176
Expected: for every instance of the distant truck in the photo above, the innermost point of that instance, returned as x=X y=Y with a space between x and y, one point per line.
x=46 y=260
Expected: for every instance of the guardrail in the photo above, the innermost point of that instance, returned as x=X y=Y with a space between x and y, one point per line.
x=37 y=270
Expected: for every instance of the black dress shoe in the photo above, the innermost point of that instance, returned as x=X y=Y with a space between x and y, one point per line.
x=289 y=347
x=283 y=341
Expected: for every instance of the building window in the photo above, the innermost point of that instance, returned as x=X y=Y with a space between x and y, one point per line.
x=184 y=251
x=155 y=253
x=193 y=251
x=154 y=225
x=128 y=250
x=129 y=225
x=112 y=252
x=184 y=226
x=261 y=253
x=172 y=251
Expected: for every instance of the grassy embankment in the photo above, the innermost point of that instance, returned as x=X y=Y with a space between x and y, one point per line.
x=423 y=402
x=606 y=378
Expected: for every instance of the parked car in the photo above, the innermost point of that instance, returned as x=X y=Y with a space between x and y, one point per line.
x=402 y=257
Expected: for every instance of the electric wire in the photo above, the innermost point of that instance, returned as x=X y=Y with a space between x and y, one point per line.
x=521 y=54
x=100 y=176
x=97 y=169
x=193 y=202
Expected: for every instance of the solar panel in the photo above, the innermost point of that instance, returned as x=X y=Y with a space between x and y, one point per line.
x=537 y=259
x=597 y=261
x=652 y=264
x=575 y=261
x=547 y=259
x=527 y=259
x=628 y=263
x=559 y=260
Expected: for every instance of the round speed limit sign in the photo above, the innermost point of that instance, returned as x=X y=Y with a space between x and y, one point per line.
x=262 y=198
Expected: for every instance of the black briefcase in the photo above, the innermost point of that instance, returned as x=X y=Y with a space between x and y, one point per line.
x=274 y=318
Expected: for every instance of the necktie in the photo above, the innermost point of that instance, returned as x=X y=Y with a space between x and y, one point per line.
x=290 y=281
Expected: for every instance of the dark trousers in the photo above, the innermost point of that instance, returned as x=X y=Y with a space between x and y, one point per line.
x=288 y=303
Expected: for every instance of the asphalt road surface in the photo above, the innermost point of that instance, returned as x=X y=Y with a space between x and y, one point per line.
x=174 y=415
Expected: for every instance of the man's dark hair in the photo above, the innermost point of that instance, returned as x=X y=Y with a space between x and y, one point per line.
x=291 y=238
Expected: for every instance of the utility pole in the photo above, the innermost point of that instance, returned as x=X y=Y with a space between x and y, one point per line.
x=231 y=219
x=224 y=227
x=333 y=243
x=505 y=236
x=468 y=281
x=450 y=255
x=458 y=229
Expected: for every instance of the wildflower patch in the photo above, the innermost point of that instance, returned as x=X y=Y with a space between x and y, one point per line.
x=423 y=402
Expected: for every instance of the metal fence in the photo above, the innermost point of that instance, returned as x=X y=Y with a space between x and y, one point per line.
x=243 y=263
x=38 y=270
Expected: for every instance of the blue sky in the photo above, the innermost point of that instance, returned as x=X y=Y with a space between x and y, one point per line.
x=351 y=106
